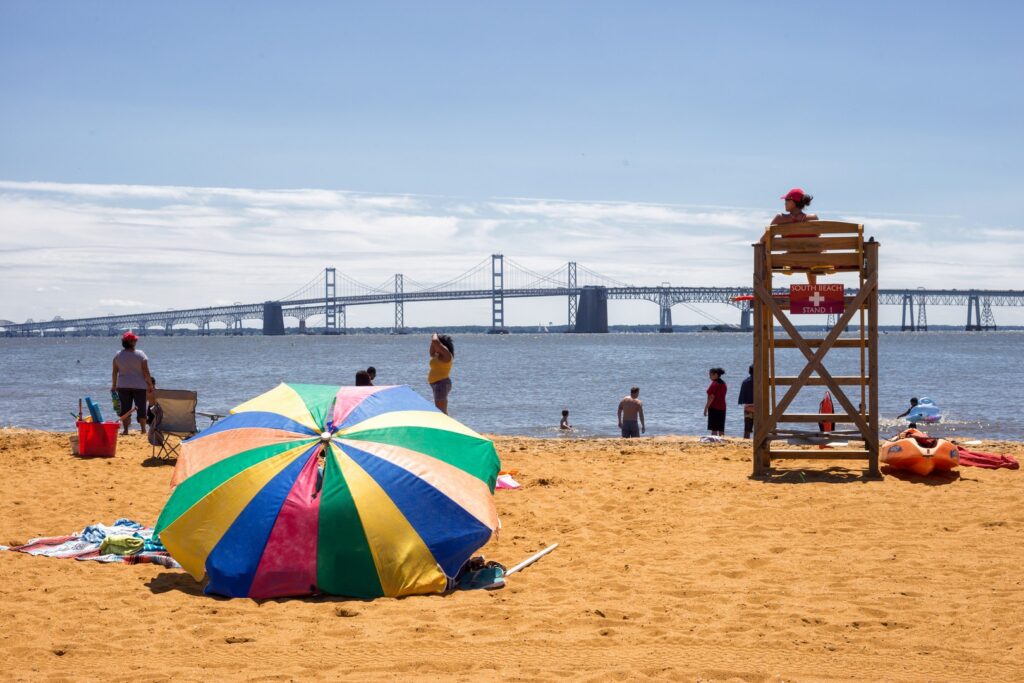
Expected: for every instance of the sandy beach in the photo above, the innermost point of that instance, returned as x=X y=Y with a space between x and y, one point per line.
x=673 y=564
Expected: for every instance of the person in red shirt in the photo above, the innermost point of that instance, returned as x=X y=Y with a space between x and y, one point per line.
x=714 y=409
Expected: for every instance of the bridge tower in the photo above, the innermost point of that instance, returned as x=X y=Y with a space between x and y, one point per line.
x=908 y=306
x=330 y=301
x=399 y=304
x=922 y=313
x=665 y=308
x=497 y=295
x=573 y=297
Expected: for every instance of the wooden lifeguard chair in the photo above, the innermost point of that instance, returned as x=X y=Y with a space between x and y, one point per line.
x=823 y=248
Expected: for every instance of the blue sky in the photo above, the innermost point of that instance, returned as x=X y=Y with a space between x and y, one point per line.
x=650 y=140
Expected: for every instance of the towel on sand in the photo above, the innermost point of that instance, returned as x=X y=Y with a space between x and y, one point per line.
x=989 y=461
x=77 y=546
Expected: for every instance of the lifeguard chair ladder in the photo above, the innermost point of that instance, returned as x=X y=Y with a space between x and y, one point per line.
x=791 y=249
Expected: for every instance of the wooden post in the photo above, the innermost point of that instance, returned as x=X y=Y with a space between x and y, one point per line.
x=758 y=363
x=872 y=440
x=762 y=459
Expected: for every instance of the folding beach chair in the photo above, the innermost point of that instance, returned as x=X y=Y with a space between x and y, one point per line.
x=174 y=420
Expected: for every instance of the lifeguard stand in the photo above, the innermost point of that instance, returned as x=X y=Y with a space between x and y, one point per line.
x=822 y=248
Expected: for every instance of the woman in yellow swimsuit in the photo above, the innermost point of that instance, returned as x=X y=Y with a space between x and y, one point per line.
x=442 y=354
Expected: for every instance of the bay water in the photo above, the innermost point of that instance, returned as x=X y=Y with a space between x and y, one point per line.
x=520 y=383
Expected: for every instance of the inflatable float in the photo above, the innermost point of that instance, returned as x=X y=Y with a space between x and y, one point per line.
x=925 y=411
x=914 y=451
x=826 y=408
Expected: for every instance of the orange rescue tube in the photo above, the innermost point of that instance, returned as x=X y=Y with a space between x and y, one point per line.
x=912 y=455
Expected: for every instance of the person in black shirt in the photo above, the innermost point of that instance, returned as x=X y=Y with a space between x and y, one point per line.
x=746 y=400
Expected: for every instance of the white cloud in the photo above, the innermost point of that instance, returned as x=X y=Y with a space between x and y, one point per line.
x=81 y=249
x=123 y=303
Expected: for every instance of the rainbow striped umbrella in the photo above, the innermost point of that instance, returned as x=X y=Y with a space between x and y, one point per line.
x=403 y=498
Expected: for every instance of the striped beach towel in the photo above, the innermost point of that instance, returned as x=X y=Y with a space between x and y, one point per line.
x=74 y=546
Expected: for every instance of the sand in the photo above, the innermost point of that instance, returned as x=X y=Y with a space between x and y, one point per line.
x=673 y=564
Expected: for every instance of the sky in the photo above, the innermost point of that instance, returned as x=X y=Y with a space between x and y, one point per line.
x=183 y=154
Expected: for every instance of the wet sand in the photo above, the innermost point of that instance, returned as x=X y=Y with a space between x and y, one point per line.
x=673 y=564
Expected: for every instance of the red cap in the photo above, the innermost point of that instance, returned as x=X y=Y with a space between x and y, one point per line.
x=129 y=336
x=796 y=194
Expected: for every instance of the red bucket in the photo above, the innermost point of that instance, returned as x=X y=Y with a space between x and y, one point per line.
x=97 y=439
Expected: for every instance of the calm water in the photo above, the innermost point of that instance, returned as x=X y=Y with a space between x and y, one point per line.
x=518 y=384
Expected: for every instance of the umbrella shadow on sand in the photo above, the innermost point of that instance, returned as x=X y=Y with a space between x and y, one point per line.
x=182 y=582
x=177 y=581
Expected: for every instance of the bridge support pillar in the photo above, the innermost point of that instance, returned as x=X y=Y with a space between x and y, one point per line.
x=302 y=326
x=273 y=318
x=983 y=314
x=664 y=310
x=573 y=298
x=973 y=306
x=592 y=316
x=907 y=322
x=745 y=319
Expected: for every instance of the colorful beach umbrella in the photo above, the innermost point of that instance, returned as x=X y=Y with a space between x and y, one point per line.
x=357 y=491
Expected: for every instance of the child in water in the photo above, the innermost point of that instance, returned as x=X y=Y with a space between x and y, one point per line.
x=565 y=421
x=913 y=404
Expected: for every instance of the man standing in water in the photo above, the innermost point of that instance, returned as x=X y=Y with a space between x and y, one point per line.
x=631 y=409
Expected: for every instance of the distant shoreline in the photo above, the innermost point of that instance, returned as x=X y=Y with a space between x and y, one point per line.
x=521 y=329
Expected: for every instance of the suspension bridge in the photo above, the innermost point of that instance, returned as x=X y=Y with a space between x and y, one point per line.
x=586 y=292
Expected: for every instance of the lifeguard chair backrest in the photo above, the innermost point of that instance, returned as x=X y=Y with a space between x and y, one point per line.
x=815 y=244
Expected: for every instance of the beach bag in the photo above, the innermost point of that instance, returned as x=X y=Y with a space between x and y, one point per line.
x=155 y=436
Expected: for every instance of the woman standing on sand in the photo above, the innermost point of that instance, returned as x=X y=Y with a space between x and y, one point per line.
x=130 y=379
x=442 y=355
x=714 y=409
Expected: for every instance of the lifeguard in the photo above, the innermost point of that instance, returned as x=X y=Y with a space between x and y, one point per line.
x=796 y=201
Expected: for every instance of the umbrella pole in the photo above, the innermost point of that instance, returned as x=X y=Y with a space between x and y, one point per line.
x=530 y=560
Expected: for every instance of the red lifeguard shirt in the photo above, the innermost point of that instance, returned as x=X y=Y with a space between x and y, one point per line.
x=717 y=391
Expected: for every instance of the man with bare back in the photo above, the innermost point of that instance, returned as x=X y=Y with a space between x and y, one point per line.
x=631 y=415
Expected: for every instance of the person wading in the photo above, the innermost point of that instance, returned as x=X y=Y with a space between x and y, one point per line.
x=631 y=415
x=442 y=355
